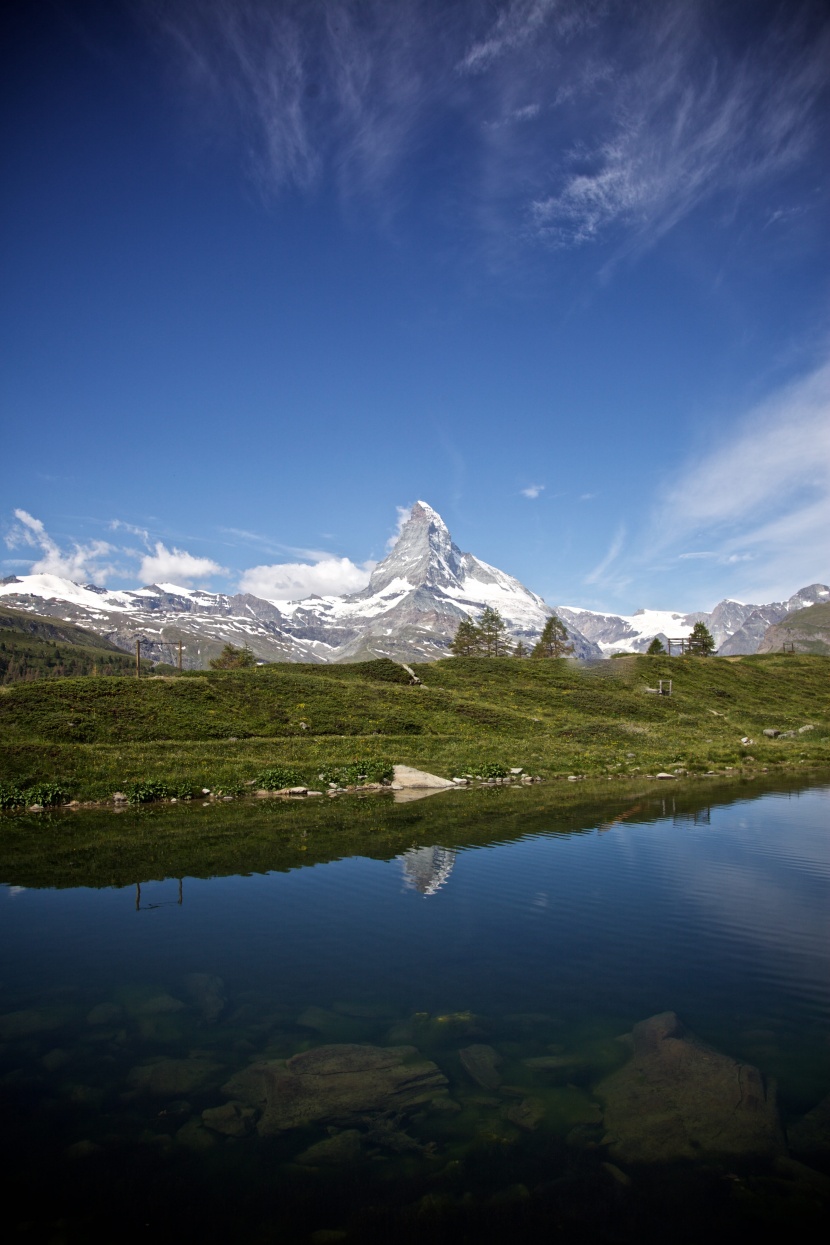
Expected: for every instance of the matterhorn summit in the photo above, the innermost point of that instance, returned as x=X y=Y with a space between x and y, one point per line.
x=417 y=596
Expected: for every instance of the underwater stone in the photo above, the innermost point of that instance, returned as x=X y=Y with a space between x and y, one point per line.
x=481 y=1062
x=232 y=1119
x=158 y=1005
x=104 y=1014
x=342 y=1083
x=678 y=1098
x=810 y=1137
x=168 y=1078
x=341 y=1148
x=526 y=1114
x=206 y=992
x=28 y=1022
x=193 y=1136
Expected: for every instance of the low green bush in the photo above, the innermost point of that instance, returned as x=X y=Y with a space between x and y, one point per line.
x=358 y=772
x=11 y=796
x=278 y=777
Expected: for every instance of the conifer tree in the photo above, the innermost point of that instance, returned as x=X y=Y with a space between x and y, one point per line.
x=467 y=642
x=233 y=658
x=700 y=643
x=553 y=642
x=493 y=631
x=520 y=650
x=656 y=647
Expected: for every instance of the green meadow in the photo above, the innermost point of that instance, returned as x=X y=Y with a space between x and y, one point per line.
x=92 y=736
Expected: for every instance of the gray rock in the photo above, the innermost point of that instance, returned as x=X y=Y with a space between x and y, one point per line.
x=406 y=776
x=340 y=1084
x=481 y=1062
x=771 y=734
x=680 y=1099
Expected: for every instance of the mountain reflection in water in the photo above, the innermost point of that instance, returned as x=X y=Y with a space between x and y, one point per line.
x=426 y=869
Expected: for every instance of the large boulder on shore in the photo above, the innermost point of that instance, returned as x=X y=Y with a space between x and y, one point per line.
x=340 y=1084
x=678 y=1098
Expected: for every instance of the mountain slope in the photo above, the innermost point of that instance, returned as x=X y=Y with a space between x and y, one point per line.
x=808 y=630
x=32 y=648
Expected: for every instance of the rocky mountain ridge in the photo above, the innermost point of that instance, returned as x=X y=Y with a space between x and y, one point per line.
x=409 y=611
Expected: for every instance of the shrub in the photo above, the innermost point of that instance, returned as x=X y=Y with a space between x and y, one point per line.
x=11 y=796
x=277 y=778
x=46 y=793
x=492 y=769
x=358 y=772
x=145 y=792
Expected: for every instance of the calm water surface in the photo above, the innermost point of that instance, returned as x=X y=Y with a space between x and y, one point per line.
x=127 y=1009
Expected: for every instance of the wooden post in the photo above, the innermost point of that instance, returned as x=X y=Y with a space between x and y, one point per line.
x=138 y=659
x=180 y=656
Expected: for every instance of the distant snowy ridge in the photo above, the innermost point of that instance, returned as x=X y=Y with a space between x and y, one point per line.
x=409 y=611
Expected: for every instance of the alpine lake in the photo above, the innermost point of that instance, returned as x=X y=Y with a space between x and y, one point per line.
x=551 y=1013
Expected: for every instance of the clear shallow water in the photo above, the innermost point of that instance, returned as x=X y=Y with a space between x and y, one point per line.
x=548 y=945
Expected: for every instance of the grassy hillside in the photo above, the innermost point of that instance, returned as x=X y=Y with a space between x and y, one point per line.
x=95 y=735
x=808 y=630
x=32 y=647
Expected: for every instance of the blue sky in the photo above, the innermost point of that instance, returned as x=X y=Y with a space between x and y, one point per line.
x=272 y=271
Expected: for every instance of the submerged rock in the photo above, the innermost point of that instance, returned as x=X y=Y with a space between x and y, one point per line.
x=232 y=1119
x=206 y=992
x=339 y=1084
x=28 y=1022
x=810 y=1137
x=526 y=1114
x=341 y=1148
x=167 y=1078
x=678 y=1098
x=481 y=1062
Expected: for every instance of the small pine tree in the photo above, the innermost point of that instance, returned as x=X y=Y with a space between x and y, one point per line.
x=700 y=643
x=520 y=650
x=233 y=658
x=553 y=642
x=467 y=642
x=493 y=631
x=656 y=647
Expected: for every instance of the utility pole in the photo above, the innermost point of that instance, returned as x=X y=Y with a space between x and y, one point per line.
x=138 y=658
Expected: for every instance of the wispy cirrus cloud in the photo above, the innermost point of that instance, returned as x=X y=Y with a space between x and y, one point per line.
x=600 y=572
x=568 y=121
x=532 y=491
x=682 y=121
x=761 y=497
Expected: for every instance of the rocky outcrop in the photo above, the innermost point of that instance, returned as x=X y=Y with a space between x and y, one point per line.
x=678 y=1098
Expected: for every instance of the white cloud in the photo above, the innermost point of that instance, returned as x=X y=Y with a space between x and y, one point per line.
x=614 y=549
x=176 y=566
x=81 y=563
x=762 y=496
x=533 y=490
x=292 y=581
